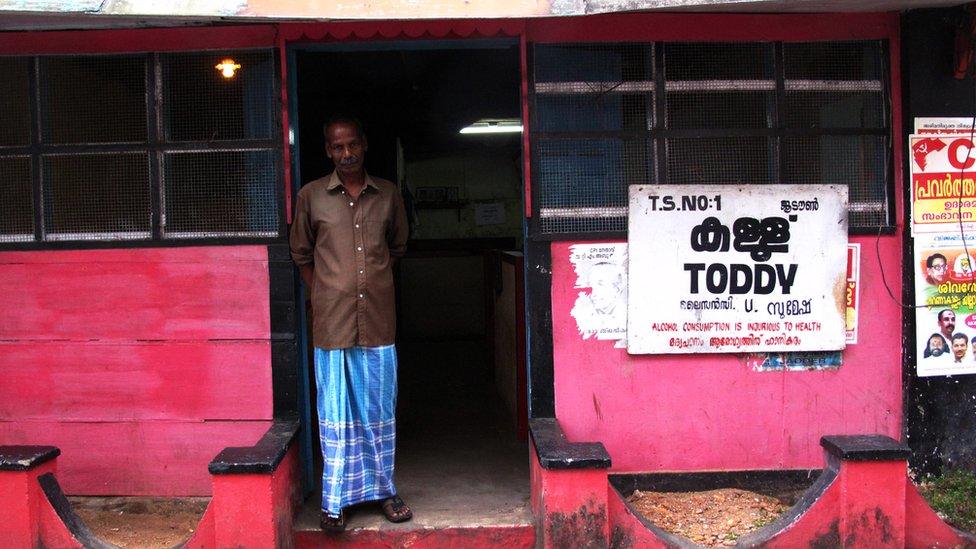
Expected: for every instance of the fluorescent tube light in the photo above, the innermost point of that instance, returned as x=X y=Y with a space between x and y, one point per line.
x=494 y=125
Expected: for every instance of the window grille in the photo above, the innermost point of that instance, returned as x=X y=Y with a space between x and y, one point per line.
x=17 y=206
x=605 y=116
x=225 y=193
x=15 y=110
x=139 y=147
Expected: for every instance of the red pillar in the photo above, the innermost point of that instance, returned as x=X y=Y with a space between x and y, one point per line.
x=871 y=478
x=23 y=501
x=569 y=489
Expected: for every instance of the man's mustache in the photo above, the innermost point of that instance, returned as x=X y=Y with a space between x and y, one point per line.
x=349 y=161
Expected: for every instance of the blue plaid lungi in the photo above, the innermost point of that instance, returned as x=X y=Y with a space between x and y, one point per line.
x=357 y=389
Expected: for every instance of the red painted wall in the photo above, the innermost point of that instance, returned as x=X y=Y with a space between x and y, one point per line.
x=699 y=412
x=140 y=364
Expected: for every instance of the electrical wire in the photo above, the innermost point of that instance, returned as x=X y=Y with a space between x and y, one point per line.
x=962 y=227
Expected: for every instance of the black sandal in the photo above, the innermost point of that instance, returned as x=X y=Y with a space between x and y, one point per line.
x=333 y=524
x=396 y=510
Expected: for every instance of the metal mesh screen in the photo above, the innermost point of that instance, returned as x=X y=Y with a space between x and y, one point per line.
x=858 y=161
x=606 y=91
x=15 y=109
x=93 y=99
x=593 y=112
x=718 y=61
x=608 y=63
x=725 y=122
x=96 y=196
x=721 y=160
x=719 y=110
x=834 y=110
x=202 y=105
x=833 y=60
x=584 y=181
x=221 y=193
x=17 y=205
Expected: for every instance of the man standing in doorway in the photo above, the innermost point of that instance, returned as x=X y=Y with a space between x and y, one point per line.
x=348 y=231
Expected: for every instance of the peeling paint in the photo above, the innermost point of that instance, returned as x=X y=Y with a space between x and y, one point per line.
x=174 y=7
x=581 y=529
x=601 y=268
x=829 y=539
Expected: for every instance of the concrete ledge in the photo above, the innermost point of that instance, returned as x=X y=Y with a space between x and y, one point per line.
x=555 y=452
x=263 y=457
x=865 y=448
x=24 y=458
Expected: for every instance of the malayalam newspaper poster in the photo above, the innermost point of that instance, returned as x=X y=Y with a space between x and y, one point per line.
x=600 y=309
x=945 y=318
x=724 y=268
x=943 y=125
x=852 y=296
x=943 y=185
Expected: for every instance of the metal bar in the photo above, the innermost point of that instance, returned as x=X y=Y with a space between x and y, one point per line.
x=586 y=211
x=673 y=86
x=588 y=87
x=155 y=128
x=835 y=85
x=36 y=170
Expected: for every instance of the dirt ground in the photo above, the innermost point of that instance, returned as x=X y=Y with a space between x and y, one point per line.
x=143 y=523
x=712 y=518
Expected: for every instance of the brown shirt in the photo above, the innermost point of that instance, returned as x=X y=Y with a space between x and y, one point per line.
x=351 y=244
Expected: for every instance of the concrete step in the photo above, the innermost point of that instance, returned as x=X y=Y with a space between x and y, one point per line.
x=514 y=536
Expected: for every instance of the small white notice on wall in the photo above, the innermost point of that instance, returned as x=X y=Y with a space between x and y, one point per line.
x=724 y=268
x=489 y=213
x=601 y=273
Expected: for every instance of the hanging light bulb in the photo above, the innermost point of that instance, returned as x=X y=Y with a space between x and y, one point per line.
x=227 y=67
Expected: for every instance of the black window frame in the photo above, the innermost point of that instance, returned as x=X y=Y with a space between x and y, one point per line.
x=658 y=133
x=155 y=147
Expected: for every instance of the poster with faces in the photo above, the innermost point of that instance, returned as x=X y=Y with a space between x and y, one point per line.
x=945 y=313
x=600 y=308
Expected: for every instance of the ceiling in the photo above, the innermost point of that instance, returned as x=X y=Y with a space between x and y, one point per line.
x=20 y=15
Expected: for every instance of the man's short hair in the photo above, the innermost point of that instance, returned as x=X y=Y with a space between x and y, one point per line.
x=962 y=336
x=343 y=118
x=943 y=311
x=931 y=259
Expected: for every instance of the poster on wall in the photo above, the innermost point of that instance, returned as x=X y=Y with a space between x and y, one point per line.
x=723 y=268
x=943 y=125
x=943 y=184
x=853 y=287
x=600 y=309
x=945 y=290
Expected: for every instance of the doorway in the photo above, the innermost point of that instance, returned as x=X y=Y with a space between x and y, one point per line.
x=461 y=455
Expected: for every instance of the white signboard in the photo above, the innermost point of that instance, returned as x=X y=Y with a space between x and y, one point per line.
x=600 y=309
x=723 y=268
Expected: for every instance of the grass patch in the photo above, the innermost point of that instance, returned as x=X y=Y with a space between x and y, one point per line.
x=953 y=495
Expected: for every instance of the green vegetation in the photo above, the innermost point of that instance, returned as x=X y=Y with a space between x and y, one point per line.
x=953 y=495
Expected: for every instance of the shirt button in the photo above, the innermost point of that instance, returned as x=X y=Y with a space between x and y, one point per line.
x=360 y=296
x=359 y=248
x=350 y=203
x=361 y=271
x=357 y=225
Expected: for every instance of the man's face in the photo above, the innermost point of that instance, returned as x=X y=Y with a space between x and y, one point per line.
x=959 y=348
x=935 y=343
x=345 y=147
x=947 y=322
x=938 y=269
x=606 y=283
